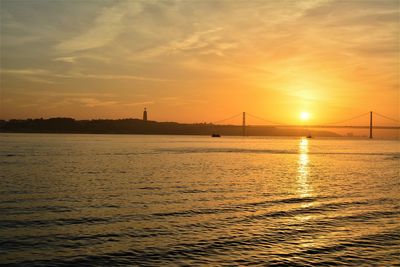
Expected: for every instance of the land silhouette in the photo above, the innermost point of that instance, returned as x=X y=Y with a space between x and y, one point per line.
x=137 y=126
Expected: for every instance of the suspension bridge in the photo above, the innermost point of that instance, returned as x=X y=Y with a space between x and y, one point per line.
x=337 y=124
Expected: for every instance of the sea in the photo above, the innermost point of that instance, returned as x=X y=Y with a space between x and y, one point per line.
x=137 y=200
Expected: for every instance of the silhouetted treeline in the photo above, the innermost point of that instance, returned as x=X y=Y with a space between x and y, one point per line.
x=136 y=126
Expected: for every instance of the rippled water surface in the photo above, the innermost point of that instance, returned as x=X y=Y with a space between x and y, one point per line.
x=179 y=200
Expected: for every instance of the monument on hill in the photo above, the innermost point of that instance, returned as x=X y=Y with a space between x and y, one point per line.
x=145 y=115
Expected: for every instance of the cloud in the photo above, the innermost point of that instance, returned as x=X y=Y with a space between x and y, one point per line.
x=116 y=77
x=106 y=27
x=25 y=71
x=93 y=102
x=13 y=32
x=143 y=103
x=38 y=80
x=29 y=73
x=66 y=59
x=87 y=99
x=179 y=101
x=58 y=94
x=197 y=40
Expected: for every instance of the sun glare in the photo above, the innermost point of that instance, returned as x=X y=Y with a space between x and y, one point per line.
x=305 y=116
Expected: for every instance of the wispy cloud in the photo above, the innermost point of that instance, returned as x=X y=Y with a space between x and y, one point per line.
x=141 y=103
x=106 y=27
x=25 y=71
x=116 y=77
x=53 y=99
x=58 y=94
x=30 y=73
x=93 y=102
x=65 y=59
x=194 y=41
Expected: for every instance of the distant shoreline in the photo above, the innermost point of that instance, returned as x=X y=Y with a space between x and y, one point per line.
x=136 y=126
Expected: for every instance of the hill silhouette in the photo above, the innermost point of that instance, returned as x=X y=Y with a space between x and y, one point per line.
x=136 y=126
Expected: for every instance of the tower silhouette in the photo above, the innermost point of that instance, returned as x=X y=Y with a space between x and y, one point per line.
x=145 y=115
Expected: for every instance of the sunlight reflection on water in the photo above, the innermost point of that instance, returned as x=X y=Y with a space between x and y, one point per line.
x=304 y=187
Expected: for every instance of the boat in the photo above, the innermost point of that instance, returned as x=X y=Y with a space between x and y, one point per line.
x=215 y=135
x=309 y=136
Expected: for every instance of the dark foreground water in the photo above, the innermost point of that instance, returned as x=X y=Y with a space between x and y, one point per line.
x=100 y=200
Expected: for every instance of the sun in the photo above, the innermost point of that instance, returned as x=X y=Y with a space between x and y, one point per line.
x=305 y=116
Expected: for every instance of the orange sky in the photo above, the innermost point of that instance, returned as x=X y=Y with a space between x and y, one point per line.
x=200 y=61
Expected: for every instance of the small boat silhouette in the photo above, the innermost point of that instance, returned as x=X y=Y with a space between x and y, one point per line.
x=215 y=135
x=309 y=136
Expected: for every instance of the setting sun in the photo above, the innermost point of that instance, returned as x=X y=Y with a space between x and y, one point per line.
x=305 y=116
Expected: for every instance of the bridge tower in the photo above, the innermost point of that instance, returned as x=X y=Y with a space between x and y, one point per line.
x=370 y=124
x=244 y=124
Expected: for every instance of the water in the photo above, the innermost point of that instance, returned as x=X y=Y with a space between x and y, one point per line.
x=179 y=200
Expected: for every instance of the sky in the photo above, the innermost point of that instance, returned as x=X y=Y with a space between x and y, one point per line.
x=199 y=61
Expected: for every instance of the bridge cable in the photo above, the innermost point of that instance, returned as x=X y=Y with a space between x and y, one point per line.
x=269 y=121
x=352 y=118
x=386 y=117
x=232 y=117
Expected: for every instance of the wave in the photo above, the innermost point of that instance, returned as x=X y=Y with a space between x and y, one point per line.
x=272 y=151
x=214 y=251
x=211 y=250
x=389 y=155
